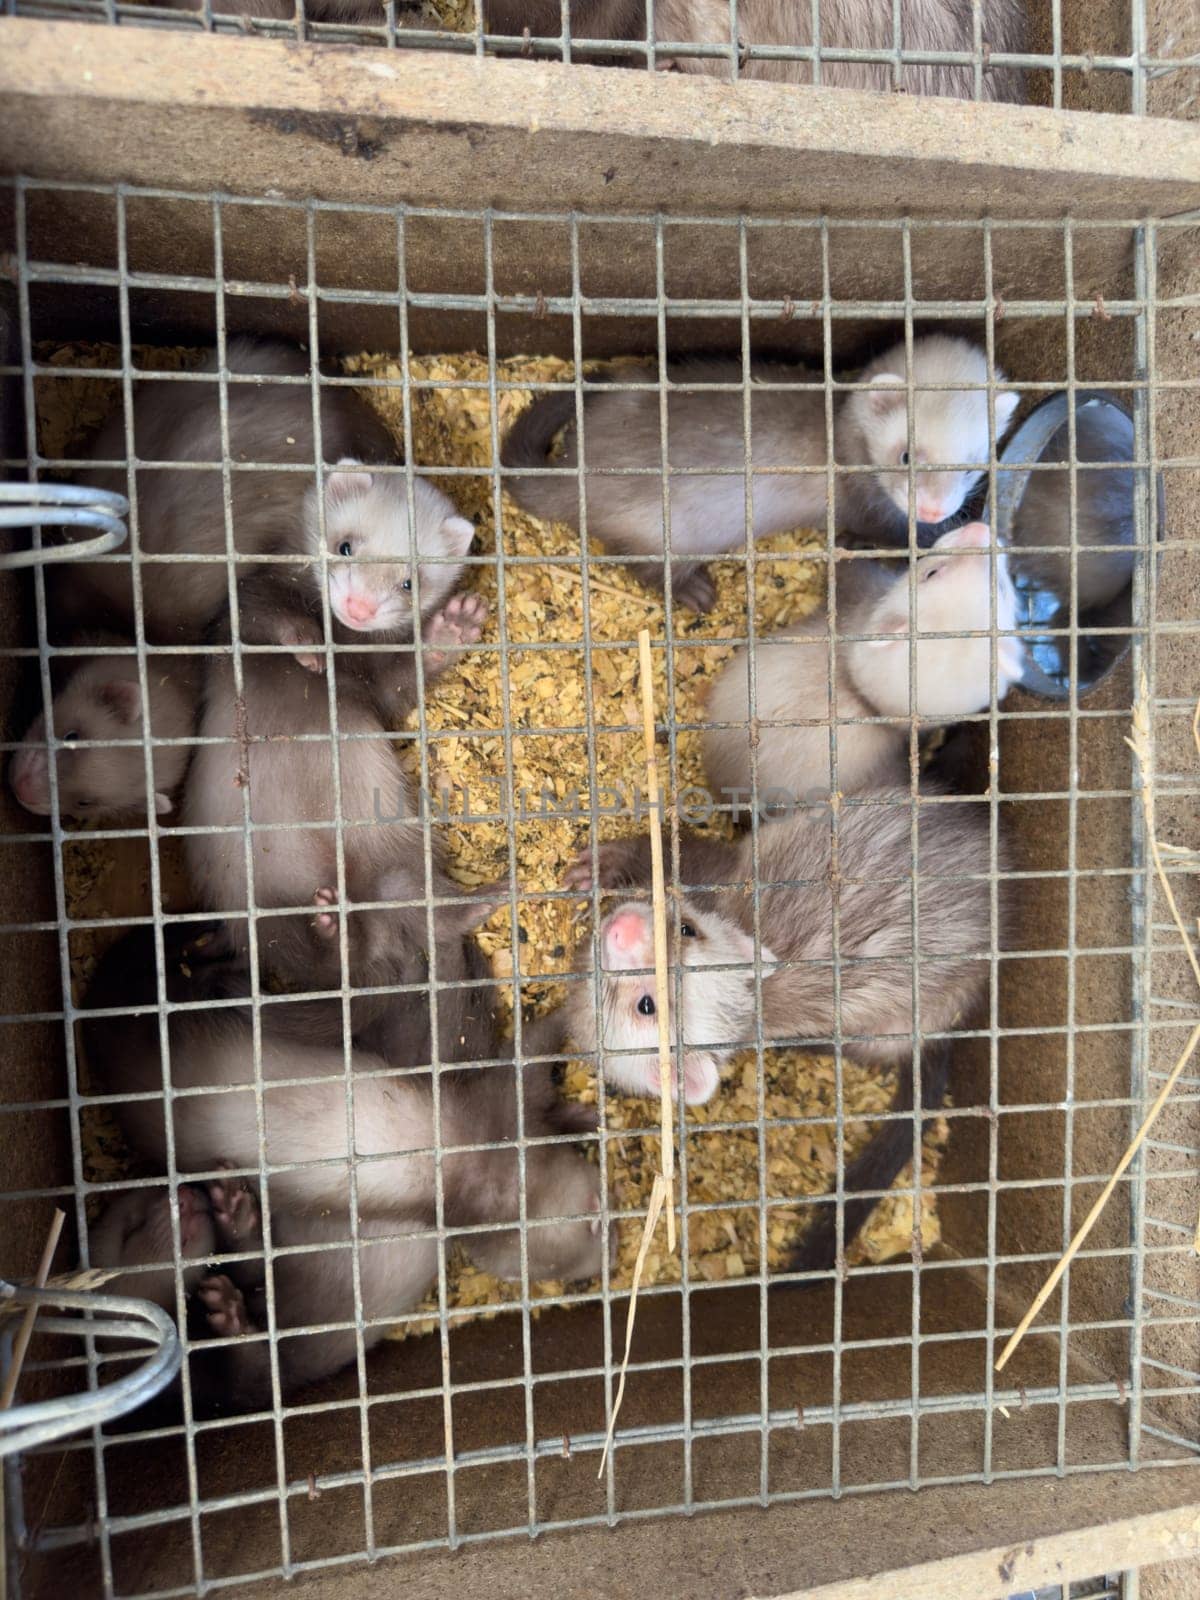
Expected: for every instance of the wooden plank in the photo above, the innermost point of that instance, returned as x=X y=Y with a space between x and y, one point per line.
x=201 y=111
x=963 y=1542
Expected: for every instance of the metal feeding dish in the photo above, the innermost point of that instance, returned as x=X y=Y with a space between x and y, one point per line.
x=1050 y=561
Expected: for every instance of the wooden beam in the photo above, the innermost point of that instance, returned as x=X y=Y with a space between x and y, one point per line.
x=201 y=111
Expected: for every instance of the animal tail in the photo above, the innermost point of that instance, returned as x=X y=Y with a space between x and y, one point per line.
x=527 y=444
x=876 y=1167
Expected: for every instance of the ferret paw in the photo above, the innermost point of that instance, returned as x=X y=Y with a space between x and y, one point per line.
x=612 y=867
x=224 y=1306
x=570 y=1116
x=459 y=622
x=325 y=923
x=303 y=633
x=693 y=589
x=235 y=1212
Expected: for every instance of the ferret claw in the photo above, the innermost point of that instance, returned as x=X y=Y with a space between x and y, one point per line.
x=325 y=922
x=224 y=1306
x=459 y=622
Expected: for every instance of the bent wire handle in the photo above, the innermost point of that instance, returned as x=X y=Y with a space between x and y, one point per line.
x=62 y=505
x=43 y=1421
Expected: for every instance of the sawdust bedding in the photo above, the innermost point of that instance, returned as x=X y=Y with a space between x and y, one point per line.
x=544 y=604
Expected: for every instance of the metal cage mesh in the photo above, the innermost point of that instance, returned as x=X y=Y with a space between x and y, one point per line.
x=940 y=1405
x=1112 y=63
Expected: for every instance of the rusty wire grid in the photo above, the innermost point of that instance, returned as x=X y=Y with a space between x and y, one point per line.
x=1130 y=1378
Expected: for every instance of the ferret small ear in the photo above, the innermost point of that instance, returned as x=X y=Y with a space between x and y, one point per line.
x=1006 y=405
x=475 y=910
x=123 y=698
x=458 y=533
x=343 y=486
x=887 y=391
x=162 y=803
x=743 y=944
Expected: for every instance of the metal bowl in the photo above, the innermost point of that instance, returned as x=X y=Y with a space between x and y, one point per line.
x=1062 y=574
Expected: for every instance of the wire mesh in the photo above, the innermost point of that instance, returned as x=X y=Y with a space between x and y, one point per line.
x=743 y=1392
x=992 y=49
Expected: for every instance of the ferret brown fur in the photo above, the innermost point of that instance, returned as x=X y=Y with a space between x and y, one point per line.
x=868 y=1007
x=706 y=430
x=98 y=702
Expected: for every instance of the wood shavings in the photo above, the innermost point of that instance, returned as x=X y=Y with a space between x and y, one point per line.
x=545 y=770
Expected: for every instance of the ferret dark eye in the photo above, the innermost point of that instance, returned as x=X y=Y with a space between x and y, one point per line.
x=345 y=548
x=904 y=458
x=71 y=736
x=646 y=1005
x=406 y=585
x=687 y=930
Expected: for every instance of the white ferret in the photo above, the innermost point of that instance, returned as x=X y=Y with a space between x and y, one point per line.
x=99 y=723
x=952 y=594
x=950 y=444
x=273 y=512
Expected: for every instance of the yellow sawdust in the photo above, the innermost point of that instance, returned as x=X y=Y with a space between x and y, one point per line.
x=543 y=698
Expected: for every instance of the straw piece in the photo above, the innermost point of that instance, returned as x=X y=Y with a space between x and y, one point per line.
x=662 y=994
x=25 y=1331
x=658 y=1195
x=1140 y=745
x=662 y=1193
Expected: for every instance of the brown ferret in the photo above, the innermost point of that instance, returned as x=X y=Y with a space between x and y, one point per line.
x=275 y=745
x=387 y=1119
x=227 y=1300
x=98 y=718
x=833 y=968
x=181 y=510
x=368 y=12
x=925 y=25
x=622 y=430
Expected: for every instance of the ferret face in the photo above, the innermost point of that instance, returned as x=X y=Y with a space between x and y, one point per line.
x=101 y=701
x=953 y=594
x=718 y=1007
x=948 y=426
x=372 y=551
x=134 y=1230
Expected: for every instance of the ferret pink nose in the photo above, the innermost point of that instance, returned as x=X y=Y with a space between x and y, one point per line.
x=625 y=938
x=930 y=510
x=359 y=609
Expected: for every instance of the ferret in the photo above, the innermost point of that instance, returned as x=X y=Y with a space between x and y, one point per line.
x=370 y=12
x=590 y=19
x=708 y=514
x=374 y=604
x=953 y=676
x=391 y=1136
x=228 y=1300
x=181 y=512
x=845 y=24
x=98 y=700
x=134 y=1231
x=714 y=952
x=290 y=782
